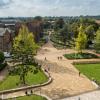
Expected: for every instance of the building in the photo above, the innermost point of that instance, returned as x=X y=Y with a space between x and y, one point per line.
x=5 y=39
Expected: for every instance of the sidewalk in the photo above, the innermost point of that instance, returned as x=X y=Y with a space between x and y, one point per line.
x=95 y=95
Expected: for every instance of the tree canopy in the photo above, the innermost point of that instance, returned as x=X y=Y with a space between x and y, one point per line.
x=97 y=40
x=24 y=49
x=81 y=40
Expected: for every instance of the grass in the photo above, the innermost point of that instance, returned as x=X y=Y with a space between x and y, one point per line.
x=80 y=56
x=92 y=71
x=11 y=82
x=31 y=97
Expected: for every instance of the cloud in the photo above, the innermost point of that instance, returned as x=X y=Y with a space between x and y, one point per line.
x=5 y=3
x=49 y=7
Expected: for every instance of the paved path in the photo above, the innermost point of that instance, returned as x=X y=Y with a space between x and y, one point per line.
x=87 y=96
x=66 y=77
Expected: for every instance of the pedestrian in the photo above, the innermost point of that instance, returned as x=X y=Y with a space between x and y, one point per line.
x=26 y=92
x=58 y=58
x=79 y=73
x=45 y=58
x=45 y=70
x=79 y=98
x=31 y=92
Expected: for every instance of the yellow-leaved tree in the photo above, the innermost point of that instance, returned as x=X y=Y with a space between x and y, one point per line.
x=81 y=40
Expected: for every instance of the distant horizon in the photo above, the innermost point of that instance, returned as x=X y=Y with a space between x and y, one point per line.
x=45 y=16
x=33 y=8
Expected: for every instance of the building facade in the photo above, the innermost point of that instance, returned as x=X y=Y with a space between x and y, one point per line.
x=5 y=39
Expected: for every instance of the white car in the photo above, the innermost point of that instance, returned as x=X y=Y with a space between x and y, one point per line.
x=7 y=55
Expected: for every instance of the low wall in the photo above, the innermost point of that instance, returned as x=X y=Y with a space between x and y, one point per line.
x=86 y=62
x=28 y=87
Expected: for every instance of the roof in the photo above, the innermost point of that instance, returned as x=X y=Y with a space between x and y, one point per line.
x=3 y=30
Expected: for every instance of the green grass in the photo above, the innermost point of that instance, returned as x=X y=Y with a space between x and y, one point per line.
x=90 y=70
x=32 y=97
x=11 y=82
x=80 y=56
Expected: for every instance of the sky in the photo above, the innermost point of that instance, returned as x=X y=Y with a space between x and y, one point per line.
x=31 y=8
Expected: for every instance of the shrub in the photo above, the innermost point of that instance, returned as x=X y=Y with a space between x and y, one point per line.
x=1 y=57
x=2 y=66
x=80 y=56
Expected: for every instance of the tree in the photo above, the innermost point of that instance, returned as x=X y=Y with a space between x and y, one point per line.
x=65 y=33
x=90 y=32
x=59 y=24
x=38 y=18
x=24 y=49
x=81 y=40
x=97 y=41
x=74 y=29
x=1 y=57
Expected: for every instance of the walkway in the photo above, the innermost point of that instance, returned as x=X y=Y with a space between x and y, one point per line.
x=66 y=80
x=87 y=96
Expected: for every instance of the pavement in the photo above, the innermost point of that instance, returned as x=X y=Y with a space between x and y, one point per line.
x=95 y=95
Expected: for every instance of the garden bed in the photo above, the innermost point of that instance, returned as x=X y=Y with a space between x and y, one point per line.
x=80 y=56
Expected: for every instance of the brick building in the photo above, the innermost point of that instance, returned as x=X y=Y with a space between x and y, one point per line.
x=5 y=39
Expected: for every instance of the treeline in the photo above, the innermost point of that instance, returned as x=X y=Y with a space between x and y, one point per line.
x=69 y=30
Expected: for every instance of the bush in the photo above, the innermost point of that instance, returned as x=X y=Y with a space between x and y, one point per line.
x=80 y=56
x=1 y=57
x=98 y=51
x=2 y=66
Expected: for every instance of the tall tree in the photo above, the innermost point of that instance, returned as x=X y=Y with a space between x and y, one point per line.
x=97 y=41
x=81 y=40
x=90 y=32
x=24 y=49
x=59 y=24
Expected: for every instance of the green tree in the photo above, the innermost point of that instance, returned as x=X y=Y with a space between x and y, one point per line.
x=90 y=32
x=97 y=41
x=59 y=24
x=65 y=33
x=81 y=40
x=1 y=57
x=24 y=49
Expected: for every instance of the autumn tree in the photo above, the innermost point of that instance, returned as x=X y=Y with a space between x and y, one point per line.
x=81 y=40
x=24 y=49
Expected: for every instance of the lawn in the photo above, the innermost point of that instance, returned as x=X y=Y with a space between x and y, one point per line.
x=90 y=70
x=11 y=82
x=32 y=97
